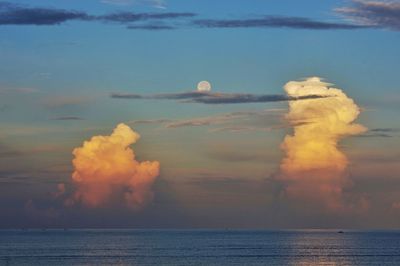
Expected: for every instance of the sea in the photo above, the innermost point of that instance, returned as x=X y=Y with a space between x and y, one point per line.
x=198 y=247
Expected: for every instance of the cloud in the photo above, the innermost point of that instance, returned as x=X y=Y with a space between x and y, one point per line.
x=64 y=101
x=363 y=14
x=152 y=121
x=166 y=96
x=198 y=121
x=150 y=27
x=125 y=17
x=379 y=132
x=157 y=3
x=18 y=14
x=216 y=98
x=274 y=22
x=8 y=152
x=385 y=130
x=235 y=121
x=314 y=169
x=207 y=121
x=241 y=129
x=65 y=118
x=105 y=167
x=381 y=14
x=14 y=14
x=118 y=2
x=220 y=98
x=374 y=135
x=18 y=90
x=154 y=3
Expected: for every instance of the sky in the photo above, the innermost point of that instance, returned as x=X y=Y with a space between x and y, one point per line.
x=103 y=124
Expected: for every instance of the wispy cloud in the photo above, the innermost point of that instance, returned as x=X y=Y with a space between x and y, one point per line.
x=152 y=121
x=194 y=122
x=166 y=96
x=118 y=2
x=210 y=120
x=242 y=129
x=242 y=121
x=216 y=98
x=64 y=101
x=158 y=3
x=386 y=129
x=275 y=22
x=380 y=132
x=360 y=14
x=369 y=13
x=151 y=27
x=381 y=14
x=66 y=118
x=153 y=3
x=125 y=17
x=9 y=152
x=14 y=14
x=18 y=90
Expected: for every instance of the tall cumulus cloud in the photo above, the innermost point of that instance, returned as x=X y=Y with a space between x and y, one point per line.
x=105 y=166
x=313 y=169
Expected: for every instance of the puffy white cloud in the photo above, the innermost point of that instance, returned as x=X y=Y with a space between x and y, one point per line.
x=314 y=169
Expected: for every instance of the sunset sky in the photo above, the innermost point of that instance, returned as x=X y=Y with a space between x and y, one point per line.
x=250 y=153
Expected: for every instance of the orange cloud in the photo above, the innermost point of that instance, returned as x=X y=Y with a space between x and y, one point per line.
x=105 y=166
x=314 y=169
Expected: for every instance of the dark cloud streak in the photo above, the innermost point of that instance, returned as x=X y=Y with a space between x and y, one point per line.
x=66 y=118
x=216 y=98
x=151 y=27
x=125 y=17
x=15 y=14
x=274 y=22
x=12 y=14
x=362 y=14
x=249 y=98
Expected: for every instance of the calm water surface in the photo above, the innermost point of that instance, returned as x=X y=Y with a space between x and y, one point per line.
x=198 y=247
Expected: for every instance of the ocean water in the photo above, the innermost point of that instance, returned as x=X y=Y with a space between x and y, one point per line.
x=198 y=247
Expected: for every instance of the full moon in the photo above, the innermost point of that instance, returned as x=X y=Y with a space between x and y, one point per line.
x=204 y=86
